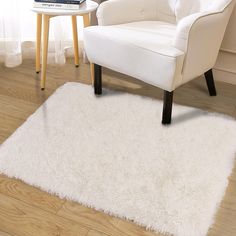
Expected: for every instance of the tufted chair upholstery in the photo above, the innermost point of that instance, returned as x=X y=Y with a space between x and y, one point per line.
x=165 y=43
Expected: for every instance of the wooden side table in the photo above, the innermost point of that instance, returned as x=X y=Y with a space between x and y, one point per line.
x=43 y=19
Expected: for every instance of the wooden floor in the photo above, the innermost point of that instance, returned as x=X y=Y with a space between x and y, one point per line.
x=27 y=211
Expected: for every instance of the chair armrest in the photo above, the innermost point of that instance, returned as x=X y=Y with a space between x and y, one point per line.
x=115 y=12
x=200 y=36
x=183 y=31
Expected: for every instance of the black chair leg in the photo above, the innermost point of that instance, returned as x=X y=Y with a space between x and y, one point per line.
x=167 y=108
x=97 y=79
x=210 y=83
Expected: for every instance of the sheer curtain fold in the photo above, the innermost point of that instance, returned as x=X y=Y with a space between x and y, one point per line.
x=18 y=25
x=10 y=35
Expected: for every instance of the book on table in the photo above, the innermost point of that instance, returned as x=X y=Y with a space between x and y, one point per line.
x=58 y=4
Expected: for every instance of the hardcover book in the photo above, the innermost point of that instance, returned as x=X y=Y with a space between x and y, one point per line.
x=61 y=1
x=58 y=4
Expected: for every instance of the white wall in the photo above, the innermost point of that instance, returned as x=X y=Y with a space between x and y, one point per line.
x=225 y=69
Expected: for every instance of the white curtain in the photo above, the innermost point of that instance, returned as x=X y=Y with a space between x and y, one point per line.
x=18 y=33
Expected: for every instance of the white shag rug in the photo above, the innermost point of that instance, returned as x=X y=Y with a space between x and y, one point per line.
x=112 y=153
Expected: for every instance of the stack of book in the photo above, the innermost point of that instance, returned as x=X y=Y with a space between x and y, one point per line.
x=59 y=4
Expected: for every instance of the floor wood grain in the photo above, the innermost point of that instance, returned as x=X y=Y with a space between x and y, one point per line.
x=100 y=221
x=4 y=234
x=28 y=211
x=19 y=218
x=234 y=113
x=26 y=193
x=96 y=233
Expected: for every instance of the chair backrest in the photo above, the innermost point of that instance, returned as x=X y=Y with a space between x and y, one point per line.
x=186 y=7
x=166 y=10
x=174 y=10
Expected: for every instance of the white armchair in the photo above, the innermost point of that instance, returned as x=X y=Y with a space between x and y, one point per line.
x=163 y=43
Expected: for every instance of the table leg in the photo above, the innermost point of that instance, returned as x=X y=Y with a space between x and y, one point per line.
x=75 y=40
x=92 y=72
x=86 y=18
x=87 y=23
x=46 y=24
x=38 y=41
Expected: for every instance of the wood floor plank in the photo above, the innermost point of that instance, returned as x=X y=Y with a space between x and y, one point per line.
x=21 y=110
x=30 y=195
x=56 y=74
x=19 y=91
x=195 y=94
x=93 y=233
x=100 y=221
x=234 y=113
x=26 y=80
x=20 y=219
x=225 y=223
x=233 y=175
x=8 y=125
x=4 y=234
x=3 y=136
x=229 y=201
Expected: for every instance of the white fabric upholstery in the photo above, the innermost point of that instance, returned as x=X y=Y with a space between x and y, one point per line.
x=164 y=43
x=200 y=36
x=128 y=48
x=185 y=8
x=123 y=11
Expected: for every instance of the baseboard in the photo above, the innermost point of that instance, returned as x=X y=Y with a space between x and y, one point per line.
x=225 y=69
x=225 y=76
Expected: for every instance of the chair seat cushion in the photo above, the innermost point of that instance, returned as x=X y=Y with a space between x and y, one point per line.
x=140 y=49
